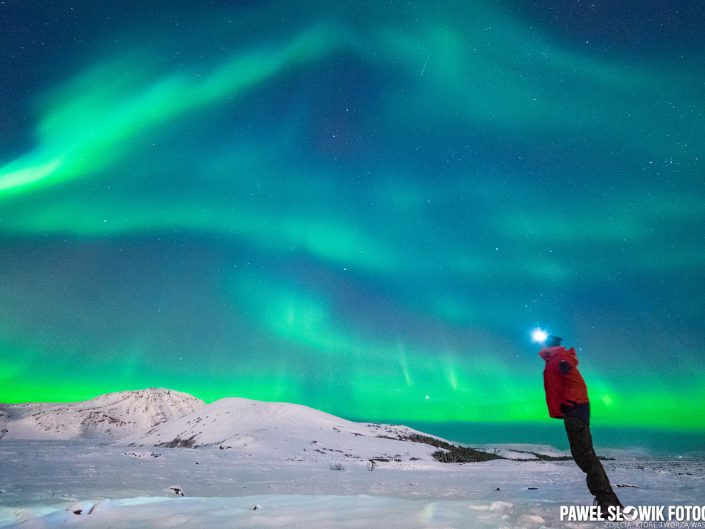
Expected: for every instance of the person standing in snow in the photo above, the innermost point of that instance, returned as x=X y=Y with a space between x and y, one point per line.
x=567 y=399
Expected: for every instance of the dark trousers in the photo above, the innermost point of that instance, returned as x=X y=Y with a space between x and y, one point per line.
x=580 y=440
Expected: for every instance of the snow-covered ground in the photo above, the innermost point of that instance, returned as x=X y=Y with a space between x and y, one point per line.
x=280 y=465
x=132 y=488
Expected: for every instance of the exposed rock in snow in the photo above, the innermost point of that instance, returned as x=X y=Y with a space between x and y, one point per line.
x=142 y=455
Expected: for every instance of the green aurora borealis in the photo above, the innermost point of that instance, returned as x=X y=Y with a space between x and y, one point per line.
x=361 y=207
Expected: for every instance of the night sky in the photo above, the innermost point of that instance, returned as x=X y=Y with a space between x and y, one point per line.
x=364 y=207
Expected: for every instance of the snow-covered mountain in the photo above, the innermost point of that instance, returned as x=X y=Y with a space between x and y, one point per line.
x=169 y=419
x=283 y=431
x=106 y=417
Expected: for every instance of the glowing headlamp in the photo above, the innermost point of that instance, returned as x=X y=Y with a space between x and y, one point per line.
x=538 y=335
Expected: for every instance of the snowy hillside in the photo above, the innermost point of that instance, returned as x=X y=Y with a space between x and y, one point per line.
x=107 y=417
x=168 y=419
x=283 y=431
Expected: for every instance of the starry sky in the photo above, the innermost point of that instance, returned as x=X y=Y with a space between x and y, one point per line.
x=364 y=207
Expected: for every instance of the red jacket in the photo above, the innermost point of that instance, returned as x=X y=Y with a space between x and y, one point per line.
x=562 y=381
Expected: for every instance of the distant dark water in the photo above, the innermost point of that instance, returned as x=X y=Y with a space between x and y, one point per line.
x=659 y=441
